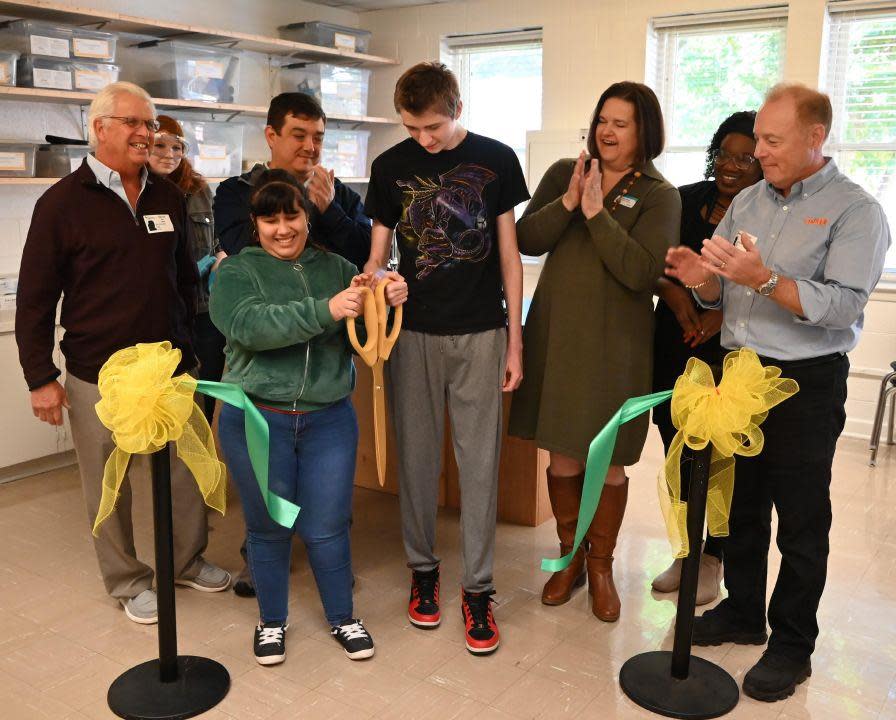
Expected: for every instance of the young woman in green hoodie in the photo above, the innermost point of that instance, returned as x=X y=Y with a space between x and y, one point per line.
x=281 y=304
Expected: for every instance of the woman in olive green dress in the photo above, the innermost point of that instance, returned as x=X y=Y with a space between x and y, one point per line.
x=605 y=225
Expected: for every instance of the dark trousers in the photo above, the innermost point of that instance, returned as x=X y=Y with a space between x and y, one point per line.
x=662 y=417
x=793 y=475
x=208 y=344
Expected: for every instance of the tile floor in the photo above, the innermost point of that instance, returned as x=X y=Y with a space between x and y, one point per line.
x=62 y=641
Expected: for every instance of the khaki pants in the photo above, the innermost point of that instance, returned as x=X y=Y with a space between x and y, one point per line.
x=123 y=574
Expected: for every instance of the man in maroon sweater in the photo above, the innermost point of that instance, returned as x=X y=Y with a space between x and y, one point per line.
x=112 y=241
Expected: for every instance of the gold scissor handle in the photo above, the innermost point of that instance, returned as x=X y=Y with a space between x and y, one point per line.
x=386 y=342
x=368 y=352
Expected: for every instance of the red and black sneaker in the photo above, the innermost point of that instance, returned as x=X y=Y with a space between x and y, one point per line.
x=481 y=632
x=423 y=607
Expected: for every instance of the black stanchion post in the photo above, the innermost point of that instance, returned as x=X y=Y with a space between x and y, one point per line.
x=172 y=687
x=675 y=684
x=164 y=540
x=690 y=567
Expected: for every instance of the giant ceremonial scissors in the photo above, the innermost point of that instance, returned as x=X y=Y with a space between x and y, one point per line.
x=375 y=353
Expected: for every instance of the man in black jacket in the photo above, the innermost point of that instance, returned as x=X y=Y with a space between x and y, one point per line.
x=295 y=134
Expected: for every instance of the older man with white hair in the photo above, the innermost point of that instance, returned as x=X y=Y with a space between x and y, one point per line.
x=111 y=239
x=792 y=263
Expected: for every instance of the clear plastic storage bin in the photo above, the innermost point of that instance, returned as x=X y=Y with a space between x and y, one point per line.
x=214 y=149
x=37 y=38
x=327 y=35
x=197 y=72
x=345 y=152
x=94 y=45
x=56 y=161
x=8 y=67
x=16 y=159
x=92 y=77
x=52 y=74
x=340 y=90
x=41 y=72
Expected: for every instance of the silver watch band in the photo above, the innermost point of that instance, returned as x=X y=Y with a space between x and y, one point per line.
x=769 y=286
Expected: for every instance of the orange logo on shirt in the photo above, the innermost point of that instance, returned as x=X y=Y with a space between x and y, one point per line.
x=816 y=221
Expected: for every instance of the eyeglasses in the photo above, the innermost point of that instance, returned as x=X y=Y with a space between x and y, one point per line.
x=163 y=150
x=134 y=122
x=741 y=162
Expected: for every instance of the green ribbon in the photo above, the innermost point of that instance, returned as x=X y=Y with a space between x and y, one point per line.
x=258 y=442
x=599 y=454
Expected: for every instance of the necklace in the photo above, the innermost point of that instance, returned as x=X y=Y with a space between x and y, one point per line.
x=634 y=176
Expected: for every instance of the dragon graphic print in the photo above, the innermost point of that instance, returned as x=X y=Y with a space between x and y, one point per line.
x=447 y=220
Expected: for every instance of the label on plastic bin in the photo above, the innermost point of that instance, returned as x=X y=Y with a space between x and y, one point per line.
x=90 y=48
x=329 y=87
x=92 y=79
x=7 y=308
x=347 y=147
x=55 y=79
x=344 y=41
x=212 y=152
x=5 y=74
x=349 y=90
x=209 y=69
x=54 y=47
x=212 y=167
x=12 y=162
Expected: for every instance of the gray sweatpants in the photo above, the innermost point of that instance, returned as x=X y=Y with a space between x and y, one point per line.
x=466 y=371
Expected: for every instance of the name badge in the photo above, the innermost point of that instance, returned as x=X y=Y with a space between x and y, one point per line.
x=158 y=223
x=627 y=201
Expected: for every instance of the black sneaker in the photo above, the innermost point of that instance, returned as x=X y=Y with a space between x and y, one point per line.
x=480 y=630
x=775 y=677
x=242 y=585
x=715 y=627
x=423 y=607
x=354 y=638
x=270 y=643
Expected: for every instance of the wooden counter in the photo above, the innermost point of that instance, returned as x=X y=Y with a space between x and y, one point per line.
x=522 y=487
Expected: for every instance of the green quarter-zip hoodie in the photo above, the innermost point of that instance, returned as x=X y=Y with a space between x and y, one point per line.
x=283 y=346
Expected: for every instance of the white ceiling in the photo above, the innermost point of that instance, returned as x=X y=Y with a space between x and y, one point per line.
x=364 y=5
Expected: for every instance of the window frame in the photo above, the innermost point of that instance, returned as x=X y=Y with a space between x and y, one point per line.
x=661 y=65
x=833 y=81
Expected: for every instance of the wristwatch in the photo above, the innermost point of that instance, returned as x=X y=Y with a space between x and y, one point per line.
x=768 y=287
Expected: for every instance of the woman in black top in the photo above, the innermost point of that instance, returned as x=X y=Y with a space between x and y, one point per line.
x=682 y=328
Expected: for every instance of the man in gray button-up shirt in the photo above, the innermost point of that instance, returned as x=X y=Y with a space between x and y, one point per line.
x=792 y=265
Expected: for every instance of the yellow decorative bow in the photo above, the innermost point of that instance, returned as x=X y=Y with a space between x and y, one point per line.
x=145 y=408
x=728 y=416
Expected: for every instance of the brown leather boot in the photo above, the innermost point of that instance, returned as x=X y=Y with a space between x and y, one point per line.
x=602 y=538
x=565 y=494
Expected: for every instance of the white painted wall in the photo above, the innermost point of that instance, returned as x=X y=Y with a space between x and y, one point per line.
x=589 y=44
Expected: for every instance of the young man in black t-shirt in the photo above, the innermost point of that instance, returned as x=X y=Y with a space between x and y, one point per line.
x=450 y=194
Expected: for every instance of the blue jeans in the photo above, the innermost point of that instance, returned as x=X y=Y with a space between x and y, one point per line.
x=312 y=463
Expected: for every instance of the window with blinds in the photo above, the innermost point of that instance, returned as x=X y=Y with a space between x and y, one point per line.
x=860 y=77
x=705 y=67
x=500 y=83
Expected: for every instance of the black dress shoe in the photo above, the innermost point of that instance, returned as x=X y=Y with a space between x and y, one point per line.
x=775 y=677
x=715 y=627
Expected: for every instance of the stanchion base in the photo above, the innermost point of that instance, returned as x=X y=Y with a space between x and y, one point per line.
x=139 y=694
x=707 y=692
